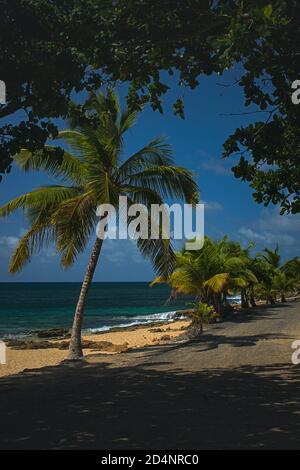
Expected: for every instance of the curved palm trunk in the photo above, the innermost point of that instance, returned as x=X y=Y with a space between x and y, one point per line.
x=283 y=298
x=225 y=301
x=75 y=349
x=252 y=300
x=271 y=300
x=218 y=303
x=196 y=329
x=244 y=299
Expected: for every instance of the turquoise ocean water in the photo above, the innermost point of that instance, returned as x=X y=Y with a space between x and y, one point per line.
x=32 y=306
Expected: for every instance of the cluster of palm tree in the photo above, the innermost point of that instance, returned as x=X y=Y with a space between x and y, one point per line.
x=276 y=280
x=224 y=268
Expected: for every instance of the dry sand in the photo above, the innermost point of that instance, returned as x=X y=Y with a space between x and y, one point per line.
x=19 y=360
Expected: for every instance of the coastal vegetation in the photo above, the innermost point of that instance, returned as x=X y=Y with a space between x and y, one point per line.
x=224 y=268
x=95 y=173
x=153 y=47
x=201 y=314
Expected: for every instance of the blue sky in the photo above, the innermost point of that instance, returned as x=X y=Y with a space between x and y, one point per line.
x=197 y=144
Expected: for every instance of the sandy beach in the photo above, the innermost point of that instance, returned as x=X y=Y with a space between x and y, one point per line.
x=122 y=340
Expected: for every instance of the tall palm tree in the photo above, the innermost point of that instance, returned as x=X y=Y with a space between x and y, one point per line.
x=93 y=174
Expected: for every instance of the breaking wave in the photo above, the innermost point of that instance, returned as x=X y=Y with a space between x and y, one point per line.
x=140 y=320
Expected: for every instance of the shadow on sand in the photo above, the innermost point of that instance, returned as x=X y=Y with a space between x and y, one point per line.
x=94 y=406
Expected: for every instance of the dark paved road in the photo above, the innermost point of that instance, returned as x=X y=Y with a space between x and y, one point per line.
x=235 y=388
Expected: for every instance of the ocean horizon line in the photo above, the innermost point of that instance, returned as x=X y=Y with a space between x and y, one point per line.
x=75 y=282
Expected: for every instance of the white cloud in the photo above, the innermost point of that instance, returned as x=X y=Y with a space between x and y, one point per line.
x=215 y=167
x=213 y=164
x=8 y=242
x=273 y=221
x=213 y=206
x=122 y=251
x=268 y=238
x=249 y=234
x=48 y=254
x=272 y=228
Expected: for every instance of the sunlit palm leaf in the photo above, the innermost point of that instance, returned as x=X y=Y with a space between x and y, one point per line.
x=40 y=198
x=37 y=237
x=168 y=181
x=74 y=223
x=55 y=161
x=156 y=153
x=218 y=283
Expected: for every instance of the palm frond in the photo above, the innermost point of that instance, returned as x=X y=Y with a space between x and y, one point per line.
x=218 y=282
x=161 y=254
x=103 y=187
x=169 y=182
x=159 y=280
x=141 y=195
x=74 y=223
x=183 y=282
x=38 y=235
x=127 y=120
x=109 y=119
x=101 y=147
x=55 y=161
x=156 y=153
x=108 y=105
x=40 y=198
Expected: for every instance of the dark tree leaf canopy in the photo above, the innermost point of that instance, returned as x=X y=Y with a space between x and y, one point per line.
x=269 y=149
x=48 y=49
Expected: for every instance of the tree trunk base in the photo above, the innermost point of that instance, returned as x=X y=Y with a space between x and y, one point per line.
x=194 y=331
x=75 y=354
x=69 y=360
x=75 y=358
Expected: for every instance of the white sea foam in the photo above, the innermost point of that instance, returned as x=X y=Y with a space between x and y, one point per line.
x=235 y=299
x=140 y=320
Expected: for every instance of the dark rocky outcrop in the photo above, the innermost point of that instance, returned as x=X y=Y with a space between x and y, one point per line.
x=98 y=346
x=19 y=344
x=165 y=338
x=107 y=346
x=52 y=333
